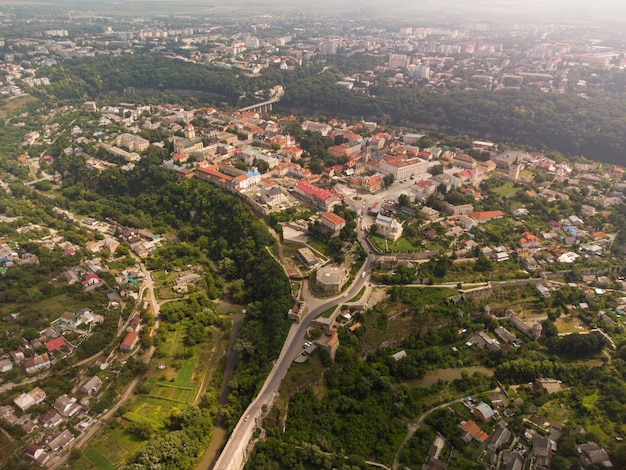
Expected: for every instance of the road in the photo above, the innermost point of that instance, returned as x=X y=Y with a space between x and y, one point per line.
x=101 y=420
x=235 y=448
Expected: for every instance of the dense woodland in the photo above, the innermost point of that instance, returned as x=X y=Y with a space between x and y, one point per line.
x=593 y=127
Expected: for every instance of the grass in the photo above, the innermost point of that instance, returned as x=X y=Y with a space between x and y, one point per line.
x=589 y=402
x=15 y=104
x=319 y=246
x=506 y=189
x=568 y=325
x=185 y=373
x=98 y=459
x=328 y=312
x=401 y=245
x=358 y=295
x=117 y=445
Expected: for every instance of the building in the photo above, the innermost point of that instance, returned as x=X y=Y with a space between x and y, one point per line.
x=484 y=412
x=402 y=167
x=388 y=227
x=92 y=386
x=318 y=197
x=26 y=400
x=130 y=341
x=486 y=216
x=591 y=454
x=132 y=143
x=66 y=406
x=472 y=431
x=36 y=363
x=332 y=221
x=60 y=440
x=331 y=278
x=35 y=452
x=307 y=258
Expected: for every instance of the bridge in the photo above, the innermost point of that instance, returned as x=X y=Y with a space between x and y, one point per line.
x=263 y=108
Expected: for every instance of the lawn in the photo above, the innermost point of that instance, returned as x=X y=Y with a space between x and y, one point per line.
x=401 y=245
x=568 y=325
x=115 y=448
x=15 y=103
x=358 y=295
x=98 y=459
x=506 y=189
x=185 y=373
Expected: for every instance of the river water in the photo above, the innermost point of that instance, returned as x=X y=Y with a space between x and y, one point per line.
x=431 y=377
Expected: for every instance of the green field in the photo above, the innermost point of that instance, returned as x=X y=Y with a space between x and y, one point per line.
x=110 y=450
x=401 y=245
x=185 y=373
x=506 y=189
x=98 y=459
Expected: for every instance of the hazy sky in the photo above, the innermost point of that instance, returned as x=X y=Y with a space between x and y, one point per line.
x=539 y=11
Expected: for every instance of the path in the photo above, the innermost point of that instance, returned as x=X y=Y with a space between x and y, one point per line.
x=414 y=427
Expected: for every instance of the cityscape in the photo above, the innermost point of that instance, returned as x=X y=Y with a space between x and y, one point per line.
x=286 y=240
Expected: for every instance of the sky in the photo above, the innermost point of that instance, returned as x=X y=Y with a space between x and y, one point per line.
x=509 y=11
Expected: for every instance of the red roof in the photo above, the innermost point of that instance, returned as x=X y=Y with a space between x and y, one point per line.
x=486 y=215
x=130 y=339
x=333 y=218
x=472 y=428
x=55 y=344
x=312 y=190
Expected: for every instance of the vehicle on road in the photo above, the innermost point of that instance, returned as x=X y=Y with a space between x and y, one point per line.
x=363 y=274
x=247 y=417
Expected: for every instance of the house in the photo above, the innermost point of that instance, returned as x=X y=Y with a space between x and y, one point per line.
x=484 y=412
x=512 y=461
x=543 y=450
x=472 y=431
x=36 y=363
x=399 y=355
x=92 y=386
x=429 y=213
x=591 y=454
x=332 y=221
x=505 y=335
x=50 y=419
x=35 y=452
x=548 y=386
x=130 y=341
x=54 y=344
x=60 y=440
x=66 y=405
x=5 y=365
x=529 y=240
x=485 y=216
x=134 y=322
x=498 y=439
x=26 y=400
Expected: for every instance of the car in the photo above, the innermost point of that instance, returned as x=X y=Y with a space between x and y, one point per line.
x=247 y=417
x=306 y=344
x=363 y=274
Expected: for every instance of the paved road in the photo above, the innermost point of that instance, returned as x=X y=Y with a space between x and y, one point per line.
x=292 y=348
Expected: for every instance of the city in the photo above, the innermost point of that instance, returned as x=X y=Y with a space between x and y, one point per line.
x=208 y=259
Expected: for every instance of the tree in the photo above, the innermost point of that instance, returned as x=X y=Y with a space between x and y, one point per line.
x=388 y=179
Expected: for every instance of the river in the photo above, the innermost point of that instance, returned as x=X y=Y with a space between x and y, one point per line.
x=431 y=377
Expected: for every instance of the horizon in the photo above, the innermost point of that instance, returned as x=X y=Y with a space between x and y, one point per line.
x=532 y=11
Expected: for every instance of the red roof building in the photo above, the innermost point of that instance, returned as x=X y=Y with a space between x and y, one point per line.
x=130 y=341
x=332 y=221
x=55 y=344
x=486 y=216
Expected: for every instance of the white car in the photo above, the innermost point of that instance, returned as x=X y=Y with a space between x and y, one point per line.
x=306 y=344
